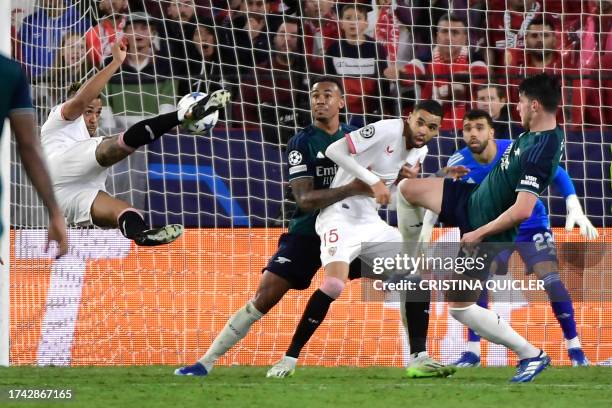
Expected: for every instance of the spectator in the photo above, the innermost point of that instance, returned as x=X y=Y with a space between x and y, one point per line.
x=72 y=64
x=267 y=8
x=157 y=8
x=541 y=54
x=180 y=21
x=415 y=17
x=280 y=87
x=248 y=39
x=42 y=31
x=101 y=37
x=387 y=30
x=539 y=50
x=492 y=98
x=144 y=85
x=586 y=41
x=235 y=25
x=320 y=30
x=508 y=21
x=225 y=10
x=450 y=76
x=259 y=52
x=605 y=45
x=360 y=61
x=425 y=14
x=210 y=66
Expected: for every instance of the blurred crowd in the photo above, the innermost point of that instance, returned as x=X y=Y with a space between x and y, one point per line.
x=389 y=53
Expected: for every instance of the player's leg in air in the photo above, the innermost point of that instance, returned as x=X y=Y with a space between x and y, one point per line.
x=431 y=193
x=110 y=212
x=79 y=160
x=492 y=211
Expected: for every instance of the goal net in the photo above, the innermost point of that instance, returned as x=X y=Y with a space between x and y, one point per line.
x=111 y=303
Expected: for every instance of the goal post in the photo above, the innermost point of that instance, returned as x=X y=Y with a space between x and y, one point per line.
x=5 y=180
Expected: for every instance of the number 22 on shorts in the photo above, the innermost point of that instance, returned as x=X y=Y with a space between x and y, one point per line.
x=330 y=237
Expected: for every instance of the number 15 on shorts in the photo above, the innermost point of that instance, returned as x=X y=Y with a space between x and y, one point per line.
x=330 y=237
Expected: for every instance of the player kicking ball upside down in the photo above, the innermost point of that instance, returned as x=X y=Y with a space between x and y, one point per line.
x=535 y=243
x=78 y=159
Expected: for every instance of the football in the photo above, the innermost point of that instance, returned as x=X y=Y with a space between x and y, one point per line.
x=198 y=126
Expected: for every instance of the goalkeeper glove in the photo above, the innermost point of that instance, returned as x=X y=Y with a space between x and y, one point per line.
x=575 y=215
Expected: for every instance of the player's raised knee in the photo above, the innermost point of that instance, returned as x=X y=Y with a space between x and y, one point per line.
x=332 y=286
x=406 y=189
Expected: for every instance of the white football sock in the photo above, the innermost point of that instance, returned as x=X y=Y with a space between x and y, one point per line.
x=429 y=220
x=492 y=327
x=474 y=347
x=419 y=355
x=573 y=343
x=409 y=219
x=235 y=330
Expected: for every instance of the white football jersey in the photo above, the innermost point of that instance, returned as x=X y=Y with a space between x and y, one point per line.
x=58 y=134
x=381 y=148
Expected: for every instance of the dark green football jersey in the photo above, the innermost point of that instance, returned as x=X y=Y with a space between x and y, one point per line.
x=14 y=95
x=306 y=158
x=528 y=164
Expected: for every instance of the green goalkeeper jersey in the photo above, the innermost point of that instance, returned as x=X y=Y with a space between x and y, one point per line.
x=528 y=164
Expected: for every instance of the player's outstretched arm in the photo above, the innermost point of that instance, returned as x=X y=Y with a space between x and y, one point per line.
x=28 y=145
x=519 y=211
x=339 y=152
x=575 y=214
x=75 y=106
x=309 y=199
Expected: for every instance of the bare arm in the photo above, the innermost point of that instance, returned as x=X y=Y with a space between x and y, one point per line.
x=28 y=145
x=309 y=199
x=75 y=106
x=409 y=172
x=513 y=216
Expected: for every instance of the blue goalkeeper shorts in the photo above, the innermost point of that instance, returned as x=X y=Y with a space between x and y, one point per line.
x=534 y=245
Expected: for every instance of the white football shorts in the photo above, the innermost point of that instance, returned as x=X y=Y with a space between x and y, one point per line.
x=341 y=237
x=77 y=178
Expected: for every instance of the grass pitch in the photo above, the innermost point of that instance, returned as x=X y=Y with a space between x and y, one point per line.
x=156 y=386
